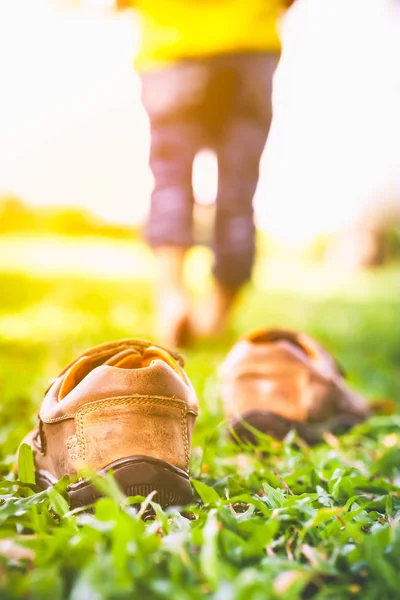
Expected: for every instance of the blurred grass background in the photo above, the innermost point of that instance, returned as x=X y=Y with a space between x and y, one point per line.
x=61 y=294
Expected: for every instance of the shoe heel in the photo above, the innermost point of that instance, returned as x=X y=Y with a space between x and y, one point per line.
x=139 y=476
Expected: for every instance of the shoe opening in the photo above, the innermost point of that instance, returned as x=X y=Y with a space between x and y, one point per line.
x=268 y=336
x=131 y=357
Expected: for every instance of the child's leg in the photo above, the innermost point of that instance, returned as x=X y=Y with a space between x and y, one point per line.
x=175 y=140
x=239 y=149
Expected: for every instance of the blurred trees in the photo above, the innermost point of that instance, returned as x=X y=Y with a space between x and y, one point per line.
x=370 y=242
x=17 y=216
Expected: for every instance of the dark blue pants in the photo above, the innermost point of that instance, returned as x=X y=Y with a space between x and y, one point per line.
x=222 y=103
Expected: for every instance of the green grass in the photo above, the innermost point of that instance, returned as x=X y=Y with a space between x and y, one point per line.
x=280 y=520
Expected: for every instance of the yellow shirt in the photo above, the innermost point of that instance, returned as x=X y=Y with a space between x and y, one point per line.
x=176 y=29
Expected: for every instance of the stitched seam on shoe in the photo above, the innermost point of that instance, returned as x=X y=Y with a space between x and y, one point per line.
x=175 y=402
x=81 y=438
x=169 y=400
x=58 y=419
x=143 y=400
x=185 y=437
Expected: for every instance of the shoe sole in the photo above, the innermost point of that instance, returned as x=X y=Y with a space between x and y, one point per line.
x=278 y=427
x=135 y=476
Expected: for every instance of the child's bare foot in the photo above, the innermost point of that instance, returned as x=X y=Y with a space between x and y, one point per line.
x=173 y=323
x=173 y=326
x=211 y=319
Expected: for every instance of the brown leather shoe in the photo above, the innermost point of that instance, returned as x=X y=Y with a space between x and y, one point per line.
x=277 y=380
x=124 y=406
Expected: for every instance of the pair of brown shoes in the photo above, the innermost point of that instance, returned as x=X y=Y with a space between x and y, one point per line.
x=129 y=407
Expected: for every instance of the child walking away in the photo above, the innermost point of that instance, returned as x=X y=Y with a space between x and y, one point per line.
x=206 y=68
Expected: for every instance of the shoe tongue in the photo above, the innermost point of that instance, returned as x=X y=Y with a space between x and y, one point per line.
x=132 y=359
x=126 y=359
x=155 y=353
x=126 y=354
